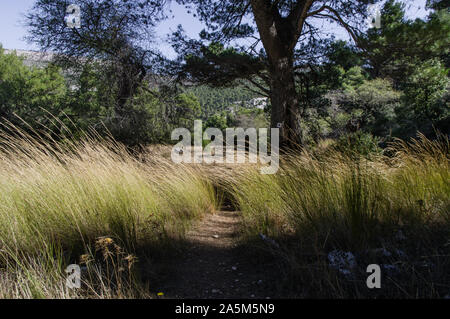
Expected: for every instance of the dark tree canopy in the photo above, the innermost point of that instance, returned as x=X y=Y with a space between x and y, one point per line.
x=283 y=49
x=400 y=40
x=119 y=33
x=113 y=65
x=283 y=36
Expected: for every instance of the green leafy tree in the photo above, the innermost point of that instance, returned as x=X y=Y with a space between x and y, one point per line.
x=187 y=109
x=217 y=121
x=362 y=105
x=427 y=103
x=215 y=100
x=400 y=45
x=116 y=34
x=372 y=105
x=438 y=4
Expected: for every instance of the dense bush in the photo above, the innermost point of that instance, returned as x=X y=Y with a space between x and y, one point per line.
x=84 y=98
x=30 y=93
x=359 y=143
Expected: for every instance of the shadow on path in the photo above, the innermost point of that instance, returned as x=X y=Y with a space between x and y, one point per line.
x=212 y=265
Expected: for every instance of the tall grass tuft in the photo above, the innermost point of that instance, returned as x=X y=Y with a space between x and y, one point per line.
x=320 y=202
x=335 y=193
x=57 y=199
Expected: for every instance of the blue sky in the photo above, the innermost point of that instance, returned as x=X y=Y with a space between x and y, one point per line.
x=13 y=31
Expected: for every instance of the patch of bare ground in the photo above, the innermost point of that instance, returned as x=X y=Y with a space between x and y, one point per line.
x=213 y=265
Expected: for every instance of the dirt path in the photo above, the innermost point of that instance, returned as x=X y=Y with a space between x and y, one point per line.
x=214 y=266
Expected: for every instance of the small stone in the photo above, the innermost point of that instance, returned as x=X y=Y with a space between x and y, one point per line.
x=215 y=236
x=234 y=268
x=252 y=296
x=342 y=261
x=214 y=291
x=259 y=282
x=400 y=236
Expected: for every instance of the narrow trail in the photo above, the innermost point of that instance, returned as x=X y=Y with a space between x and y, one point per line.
x=214 y=266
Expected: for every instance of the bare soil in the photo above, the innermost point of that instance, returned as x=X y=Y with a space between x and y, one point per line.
x=214 y=265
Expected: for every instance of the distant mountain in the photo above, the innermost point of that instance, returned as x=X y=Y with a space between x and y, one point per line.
x=33 y=58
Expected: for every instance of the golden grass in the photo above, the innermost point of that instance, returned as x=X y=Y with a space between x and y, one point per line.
x=60 y=201
x=338 y=191
x=321 y=201
x=59 y=198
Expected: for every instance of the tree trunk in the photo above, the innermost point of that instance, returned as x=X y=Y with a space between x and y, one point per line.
x=279 y=36
x=285 y=104
x=132 y=76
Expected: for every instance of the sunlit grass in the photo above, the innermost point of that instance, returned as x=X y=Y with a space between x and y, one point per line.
x=321 y=201
x=340 y=192
x=60 y=198
x=92 y=203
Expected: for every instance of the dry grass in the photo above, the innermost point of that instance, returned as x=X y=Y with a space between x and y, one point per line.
x=322 y=202
x=57 y=199
x=92 y=203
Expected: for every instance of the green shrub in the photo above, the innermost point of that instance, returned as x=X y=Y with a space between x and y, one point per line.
x=359 y=143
